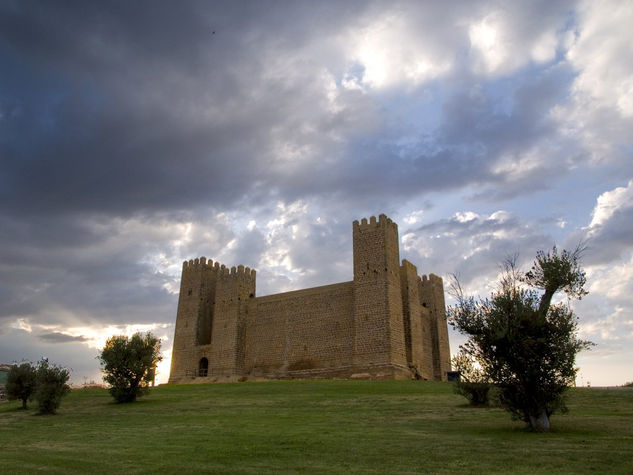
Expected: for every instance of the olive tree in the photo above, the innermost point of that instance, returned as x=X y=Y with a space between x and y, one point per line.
x=526 y=343
x=128 y=365
x=21 y=382
x=50 y=386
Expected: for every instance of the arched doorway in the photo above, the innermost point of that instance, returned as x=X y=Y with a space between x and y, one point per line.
x=203 y=367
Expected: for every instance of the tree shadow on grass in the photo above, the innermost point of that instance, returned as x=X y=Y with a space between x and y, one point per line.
x=14 y=409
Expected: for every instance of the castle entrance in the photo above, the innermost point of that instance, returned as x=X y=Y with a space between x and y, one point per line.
x=203 y=367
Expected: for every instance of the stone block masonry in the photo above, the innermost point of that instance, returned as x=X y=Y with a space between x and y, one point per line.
x=387 y=323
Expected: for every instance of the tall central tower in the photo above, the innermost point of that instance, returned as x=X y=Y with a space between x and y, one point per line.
x=379 y=342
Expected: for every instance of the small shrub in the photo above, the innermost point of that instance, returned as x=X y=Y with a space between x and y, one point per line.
x=50 y=386
x=472 y=383
x=476 y=393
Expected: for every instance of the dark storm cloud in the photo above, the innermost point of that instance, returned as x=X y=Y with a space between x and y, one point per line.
x=56 y=337
x=90 y=265
x=119 y=107
x=104 y=132
x=126 y=108
x=74 y=355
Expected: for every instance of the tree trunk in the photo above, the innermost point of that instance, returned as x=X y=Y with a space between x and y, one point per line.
x=540 y=423
x=24 y=403
x=546 y=300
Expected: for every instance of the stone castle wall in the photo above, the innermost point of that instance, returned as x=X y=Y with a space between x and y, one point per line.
x=301 y=330
x=386 y=323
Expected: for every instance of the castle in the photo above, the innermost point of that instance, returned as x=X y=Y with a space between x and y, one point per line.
x=387 y=323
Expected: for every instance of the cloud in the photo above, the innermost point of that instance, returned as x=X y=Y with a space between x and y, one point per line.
x=503 y=40
x=392 y=49
x=613 y=282
x=56 y=337
x=610 y=203
x=609 y=235
x=599 y=112
x=240 y=116
x=105 y=270
x=75 y=355
x=472 y=246
x=605 y=312
x=601 y=53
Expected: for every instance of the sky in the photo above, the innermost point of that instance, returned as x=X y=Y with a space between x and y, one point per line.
x=136 y=135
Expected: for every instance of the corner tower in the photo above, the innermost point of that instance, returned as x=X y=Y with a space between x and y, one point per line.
x=195 y=315
x=213 y=306
x=431 y=291
x=379 y=342
x=234 y=293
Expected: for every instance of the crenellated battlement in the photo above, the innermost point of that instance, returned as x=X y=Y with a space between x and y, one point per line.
x=432 y=279
x=382 y=221
x=200 y=263
x=237 y=272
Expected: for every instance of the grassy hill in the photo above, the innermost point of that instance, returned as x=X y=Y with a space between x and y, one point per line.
x=313 y=426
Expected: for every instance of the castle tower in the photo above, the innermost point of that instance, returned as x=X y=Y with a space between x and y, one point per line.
x=212 y=309
x=234 y=292
x=432 y=297
x=379 y=341
x=195 y=315
x=417 y=325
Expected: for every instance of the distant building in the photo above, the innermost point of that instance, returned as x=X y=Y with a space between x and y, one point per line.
x=386 y=323
x=4 y=373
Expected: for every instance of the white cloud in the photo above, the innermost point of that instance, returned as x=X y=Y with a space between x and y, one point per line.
x=490 y=44
x=414 y=217
x=472 y=245
x=545 y=47
x=391 y=50
x=609 y=234
x=608 y=203
x=506 y=39
x=613 y=281
x=22 y=324
x=605 y=313
x=603 y=55
x=518 y=167
x=606 y=327
x=598 y=115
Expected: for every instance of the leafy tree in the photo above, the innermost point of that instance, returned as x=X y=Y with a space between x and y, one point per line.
x=128 y=365
x=527 y=344
x=21 y=382
x=473 y=383
x=50 y=386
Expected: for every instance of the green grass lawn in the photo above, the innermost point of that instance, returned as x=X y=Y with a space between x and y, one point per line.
x=313 y=426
